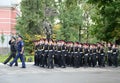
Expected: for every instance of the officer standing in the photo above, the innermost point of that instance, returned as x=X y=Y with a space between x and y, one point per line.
x=20 y=49
x=13 y=49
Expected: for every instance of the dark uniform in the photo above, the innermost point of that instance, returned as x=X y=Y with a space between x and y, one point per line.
x=36 y=56
x=86 y=56
x=71 y=56
x=109 y=55
x=98 y=56
x=45 y=55
x=102 y=57
x=40 y=54
x=90 y=56
x=63 y=54
x=58 y=56
x=76 y=57
x=13 y=52
x=94 y=57
x=68 y=51
x=50 y=57
x=115 y=56
x=80 y=55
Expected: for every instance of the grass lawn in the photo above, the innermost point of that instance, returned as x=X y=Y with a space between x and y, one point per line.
x=4 y=57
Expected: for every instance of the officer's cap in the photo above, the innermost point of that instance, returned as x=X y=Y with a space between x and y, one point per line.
x=20 y=36
x=13 y=37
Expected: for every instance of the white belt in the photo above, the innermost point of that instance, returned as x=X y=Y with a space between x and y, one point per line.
x=39 y=50
x=109 y=52
x=102 y=54
x=86 y=54
x=114 y=52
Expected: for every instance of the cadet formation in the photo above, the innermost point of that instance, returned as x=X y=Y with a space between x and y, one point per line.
x=50 y=54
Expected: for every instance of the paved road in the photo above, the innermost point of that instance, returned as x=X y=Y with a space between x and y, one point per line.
x=33 y=74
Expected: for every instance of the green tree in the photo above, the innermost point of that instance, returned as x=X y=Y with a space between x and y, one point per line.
x=106 y=18
x=70 y=16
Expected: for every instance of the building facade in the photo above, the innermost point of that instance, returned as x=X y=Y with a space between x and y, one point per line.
x=8 y=15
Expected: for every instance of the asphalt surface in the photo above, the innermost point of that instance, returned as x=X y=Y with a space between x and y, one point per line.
x=34 y=74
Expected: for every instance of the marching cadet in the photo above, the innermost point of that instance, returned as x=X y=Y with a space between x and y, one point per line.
x=55 y=52
x=40 y=52
x=76 y=55
x=115 y=55
x=68 y=53
x=71 y=59
x=98 y=54
x=102 y=56
x=58 y=56
x=63 y=49
x=94 y=55
x=50 y=55
x=45 y=53
x=90 y=54
x=86 y=54
x=36 y=61
x=80 y=49
x=109 y=54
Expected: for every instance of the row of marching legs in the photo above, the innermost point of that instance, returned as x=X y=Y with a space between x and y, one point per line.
x=49 y=60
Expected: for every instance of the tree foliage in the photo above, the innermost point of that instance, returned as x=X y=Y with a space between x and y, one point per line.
x=106 y=18
x=70 y=16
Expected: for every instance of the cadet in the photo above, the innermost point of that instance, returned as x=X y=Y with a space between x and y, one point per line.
x=80 y=49
x=76 y=55
x=98 y=54
x=114 y=55
x=68 y=53
x=63 y=50
x=91 y=54
x=102 y=56
x=55 y=52
x=40 y=52
x=109 y=54
x=94 y=55
x=45 y=54
x=36 y=53
x=71 y=59
x=86 y=54
x=50 y=55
